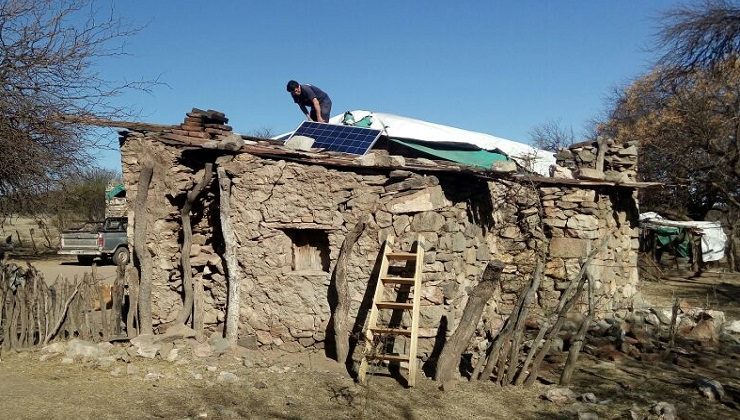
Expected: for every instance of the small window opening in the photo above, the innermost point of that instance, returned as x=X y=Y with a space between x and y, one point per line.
x=310 y=249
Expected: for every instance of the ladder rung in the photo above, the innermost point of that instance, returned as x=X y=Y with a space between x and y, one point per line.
x=394 y=331
x=398 y=280
x=394 y=305
x=401 y=255
x=391 y=357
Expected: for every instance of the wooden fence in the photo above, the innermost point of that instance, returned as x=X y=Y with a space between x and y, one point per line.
x=33 y=313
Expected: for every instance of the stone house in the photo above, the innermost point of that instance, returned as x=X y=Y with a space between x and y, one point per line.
x=290 y=212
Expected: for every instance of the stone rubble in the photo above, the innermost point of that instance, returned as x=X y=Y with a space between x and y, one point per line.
x=620 y=161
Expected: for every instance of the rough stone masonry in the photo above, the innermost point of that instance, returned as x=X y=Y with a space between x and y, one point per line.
x=291 y=212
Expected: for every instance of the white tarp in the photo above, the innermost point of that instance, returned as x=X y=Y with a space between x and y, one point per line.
x=713 y=238
x=408 y=128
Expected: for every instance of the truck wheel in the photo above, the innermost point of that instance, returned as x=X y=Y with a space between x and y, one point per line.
x=85 y=259
x=121 y=256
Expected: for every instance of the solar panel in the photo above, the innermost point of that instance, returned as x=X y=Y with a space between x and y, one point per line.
x=338 y=138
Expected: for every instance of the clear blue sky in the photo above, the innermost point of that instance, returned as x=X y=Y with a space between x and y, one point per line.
x=491 y=66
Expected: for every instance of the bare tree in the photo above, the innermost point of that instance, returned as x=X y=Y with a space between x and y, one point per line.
x=697 y=37
x=48 y=55
x=686 y=114
x=551 y=136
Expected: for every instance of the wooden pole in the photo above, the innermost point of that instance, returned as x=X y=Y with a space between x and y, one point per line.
x=140 y=249
x=3 y=284
x=133 y=301
x=532 y=351
x=449 y=359
x=508 y=376
x=117 y=301
x=577 y=343
x=187 y=240
x=341 y=311
x=8 y=339
x=553 y=332
x=503 y=336
x=672 y=329
x=62 y=315
x=234 y=274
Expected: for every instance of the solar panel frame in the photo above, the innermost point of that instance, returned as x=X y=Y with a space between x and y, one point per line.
x=339 y=138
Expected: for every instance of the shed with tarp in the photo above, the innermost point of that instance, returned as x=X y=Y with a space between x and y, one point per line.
x=680 y=237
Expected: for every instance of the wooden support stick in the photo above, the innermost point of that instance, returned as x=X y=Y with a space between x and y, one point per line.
x=2 y=302
x=600 y=153
x=199 y=309
x=234 y=275
x=341 y=311
x=532 y=351
x=187 y=240
x=62 y=316
x=508 y=376
x=672 y=329
x=554 y=332
x=8 y=339
x=501 y=337
x=141 y=251
x=577 y=343
x=501 y=366
x=23 y=305
x=560 y=310
x=117 y=302
x=133 y=300
x=449 y=359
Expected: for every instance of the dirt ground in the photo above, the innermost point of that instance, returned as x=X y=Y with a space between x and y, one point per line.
x=309 y=386
x=311 y=389
x=713 y=289
x=275 y=385
x=59 y=265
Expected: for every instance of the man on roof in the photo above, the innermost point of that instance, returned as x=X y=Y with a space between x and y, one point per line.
x=306 y=96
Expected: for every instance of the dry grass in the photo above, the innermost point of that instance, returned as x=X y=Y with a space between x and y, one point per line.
x=53 y=390
x=30 y=232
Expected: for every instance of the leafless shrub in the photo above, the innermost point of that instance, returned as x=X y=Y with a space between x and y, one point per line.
x=48 y=55
x=699 y=37
x=551 y=136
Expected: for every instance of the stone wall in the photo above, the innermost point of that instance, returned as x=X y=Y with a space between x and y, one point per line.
x=171 y=181
x=290 y=220
x=619 y=165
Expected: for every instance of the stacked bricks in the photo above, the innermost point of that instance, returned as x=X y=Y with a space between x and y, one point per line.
x=199 y=124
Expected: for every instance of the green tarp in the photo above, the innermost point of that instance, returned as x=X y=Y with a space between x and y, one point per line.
x=480 y=158
x=114 y=192
x=667 y=234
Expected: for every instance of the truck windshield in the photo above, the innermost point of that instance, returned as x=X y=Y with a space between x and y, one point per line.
x=115 y=224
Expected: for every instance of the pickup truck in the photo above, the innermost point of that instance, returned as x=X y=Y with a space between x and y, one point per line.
x=109 y=242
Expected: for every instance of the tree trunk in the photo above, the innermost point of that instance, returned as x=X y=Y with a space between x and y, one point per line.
x=187 y=239
x=449 y=359
x=341 y=312
x=234 y=275
x=140 y=249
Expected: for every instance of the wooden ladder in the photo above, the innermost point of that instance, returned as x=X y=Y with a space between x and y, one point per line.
x=410 y=286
